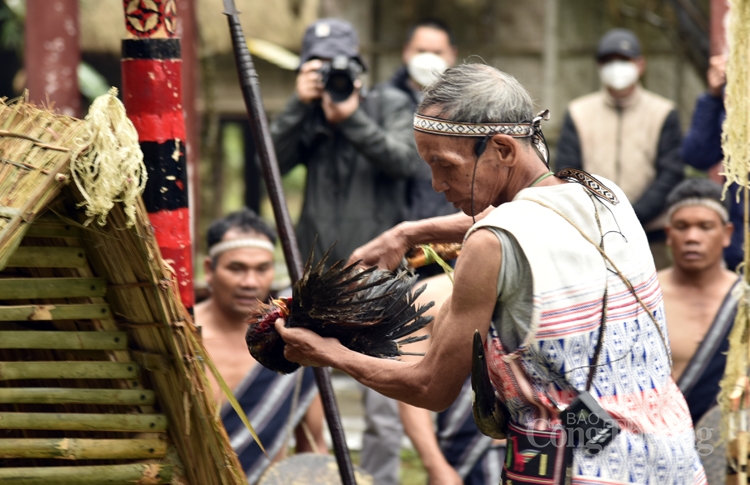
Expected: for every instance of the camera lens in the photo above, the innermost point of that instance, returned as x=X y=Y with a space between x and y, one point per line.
x=340 y=86
x=339 y=76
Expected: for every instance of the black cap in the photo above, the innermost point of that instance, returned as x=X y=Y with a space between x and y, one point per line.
x=619 y=42
x=328 y=38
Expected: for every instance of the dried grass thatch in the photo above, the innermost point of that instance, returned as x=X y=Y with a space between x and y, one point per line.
x=100 y=366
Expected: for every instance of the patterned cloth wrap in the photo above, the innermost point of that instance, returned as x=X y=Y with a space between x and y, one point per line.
x=633 y=381
x=268 y=399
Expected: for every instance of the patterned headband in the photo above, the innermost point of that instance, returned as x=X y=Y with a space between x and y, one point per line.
x=225 y=246
x=524 y=129
x=712 y=204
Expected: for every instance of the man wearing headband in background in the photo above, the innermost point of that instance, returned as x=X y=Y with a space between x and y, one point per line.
x=697 y=289
x=557 y=280
x=239 y=272
x=626 y=134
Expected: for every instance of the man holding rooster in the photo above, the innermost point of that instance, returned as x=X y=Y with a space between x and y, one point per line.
x=556 y=278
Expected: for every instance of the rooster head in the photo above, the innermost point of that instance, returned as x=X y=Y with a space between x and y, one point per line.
x=263 y=341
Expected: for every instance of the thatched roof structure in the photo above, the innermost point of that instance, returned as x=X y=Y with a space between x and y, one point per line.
x=283 y=23
x=101 y=371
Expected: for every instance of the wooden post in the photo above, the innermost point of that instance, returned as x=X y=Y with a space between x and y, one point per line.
x=188 y=33
x=52 y=54
x=152 y=94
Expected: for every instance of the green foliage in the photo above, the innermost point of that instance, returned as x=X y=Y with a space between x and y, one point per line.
x=12 y=13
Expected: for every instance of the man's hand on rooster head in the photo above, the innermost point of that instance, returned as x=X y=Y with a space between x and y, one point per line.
x=306 y=347
x=385 y=251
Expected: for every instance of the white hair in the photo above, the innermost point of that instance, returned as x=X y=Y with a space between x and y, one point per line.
x=477 y=93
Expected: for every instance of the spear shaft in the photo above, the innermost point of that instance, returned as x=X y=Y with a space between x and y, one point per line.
x=262 y=136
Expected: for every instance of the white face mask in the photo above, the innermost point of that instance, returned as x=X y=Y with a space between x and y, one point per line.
x=618 y=74
x=424 y=68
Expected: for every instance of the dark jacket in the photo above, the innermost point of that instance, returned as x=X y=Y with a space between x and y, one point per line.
x=423 y=201
x=665 y=161
x=356 y=171
x=701 y=149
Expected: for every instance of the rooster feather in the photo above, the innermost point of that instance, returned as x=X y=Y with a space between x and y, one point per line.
x=369 y=311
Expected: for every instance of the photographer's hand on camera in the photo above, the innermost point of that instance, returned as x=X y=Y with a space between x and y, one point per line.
x=309 y=84
x=338 y=112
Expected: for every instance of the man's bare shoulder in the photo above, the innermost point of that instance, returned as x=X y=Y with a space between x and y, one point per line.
x=665 y=279
x=202 y=313
x=478 y=268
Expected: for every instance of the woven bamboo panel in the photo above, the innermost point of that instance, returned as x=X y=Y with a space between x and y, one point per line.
x=97 y=348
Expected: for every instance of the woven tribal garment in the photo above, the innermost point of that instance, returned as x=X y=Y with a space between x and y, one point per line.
x=633 y=382
x=268 y=399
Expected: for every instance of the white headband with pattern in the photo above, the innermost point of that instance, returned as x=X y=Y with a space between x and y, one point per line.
x=222 y=247
x=700 y=201
x=526 y=129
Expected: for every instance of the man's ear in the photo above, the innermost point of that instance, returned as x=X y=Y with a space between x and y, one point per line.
x=728 y=231
x=668 y=231
x=506 y=147
x=208 y=269
x=641 y=63
x=453 y=56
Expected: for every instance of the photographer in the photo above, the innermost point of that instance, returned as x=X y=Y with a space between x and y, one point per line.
x=359 y=151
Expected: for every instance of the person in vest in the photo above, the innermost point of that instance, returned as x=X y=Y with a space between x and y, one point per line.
x=556 y=278
x=627 y=134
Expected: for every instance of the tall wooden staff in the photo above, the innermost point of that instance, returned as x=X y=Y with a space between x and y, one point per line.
x=152 y=94
x=261 y=134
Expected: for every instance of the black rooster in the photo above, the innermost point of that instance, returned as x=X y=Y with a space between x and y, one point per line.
x=368 y=311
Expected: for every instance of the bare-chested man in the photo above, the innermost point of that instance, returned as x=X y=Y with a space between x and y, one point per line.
x=239 y=272
x=697 y=292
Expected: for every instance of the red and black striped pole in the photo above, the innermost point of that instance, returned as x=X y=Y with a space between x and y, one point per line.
x=152 y=94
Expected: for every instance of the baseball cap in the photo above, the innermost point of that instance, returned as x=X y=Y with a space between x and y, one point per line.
x=328 y=38
x=619 y=42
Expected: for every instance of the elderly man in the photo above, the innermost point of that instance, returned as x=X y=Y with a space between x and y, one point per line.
x=239 y=271
x=557 y=279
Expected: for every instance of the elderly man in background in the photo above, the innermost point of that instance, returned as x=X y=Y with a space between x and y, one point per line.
x=239 y=272
x=556 y=278
x=626 y=134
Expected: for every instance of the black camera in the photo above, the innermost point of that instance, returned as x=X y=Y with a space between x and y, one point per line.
x=338 y=77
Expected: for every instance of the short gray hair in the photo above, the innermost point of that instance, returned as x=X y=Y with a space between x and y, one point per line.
x=477 y=93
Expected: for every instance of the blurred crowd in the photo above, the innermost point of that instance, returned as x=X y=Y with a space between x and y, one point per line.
x=364 y=176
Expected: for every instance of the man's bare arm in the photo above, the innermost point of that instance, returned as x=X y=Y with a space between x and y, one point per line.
x=387 y=250
x=436 y=380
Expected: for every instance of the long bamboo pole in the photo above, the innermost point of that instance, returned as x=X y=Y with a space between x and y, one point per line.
x=53 y=395
x=151 y=474
x=53 y=312
x=61 y=340
x=82 y=449
x=84 y=422
x=67 y=370
x=262 y=136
